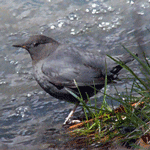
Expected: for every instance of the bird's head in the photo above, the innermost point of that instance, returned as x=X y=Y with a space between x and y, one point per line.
x=39 y=46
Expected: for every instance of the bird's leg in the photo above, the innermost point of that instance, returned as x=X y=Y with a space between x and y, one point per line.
x=71 y=113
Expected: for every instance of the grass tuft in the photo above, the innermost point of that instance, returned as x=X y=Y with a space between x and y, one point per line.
x=127 y=124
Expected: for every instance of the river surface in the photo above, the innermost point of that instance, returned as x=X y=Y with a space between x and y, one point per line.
x=26 y=111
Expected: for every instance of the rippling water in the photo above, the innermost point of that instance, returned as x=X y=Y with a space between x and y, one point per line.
x=26 y=111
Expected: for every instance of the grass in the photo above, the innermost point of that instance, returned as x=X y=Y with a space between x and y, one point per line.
x=127 y=125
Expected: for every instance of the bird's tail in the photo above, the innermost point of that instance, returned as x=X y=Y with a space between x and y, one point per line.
x=122 y=59
x=127 y=58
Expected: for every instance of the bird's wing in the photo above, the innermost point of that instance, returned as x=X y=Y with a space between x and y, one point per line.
x=63 y=70
x=67 y=66
x=100 y=61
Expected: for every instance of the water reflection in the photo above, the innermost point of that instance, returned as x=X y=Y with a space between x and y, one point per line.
x=26 y=111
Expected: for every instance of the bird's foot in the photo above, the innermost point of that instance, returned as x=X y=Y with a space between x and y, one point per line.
x=70 y=114
x=70 y=122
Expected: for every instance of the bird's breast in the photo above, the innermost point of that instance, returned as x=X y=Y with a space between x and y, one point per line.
x=40 y=77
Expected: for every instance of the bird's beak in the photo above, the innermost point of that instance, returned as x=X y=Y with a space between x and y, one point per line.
x=22 y=46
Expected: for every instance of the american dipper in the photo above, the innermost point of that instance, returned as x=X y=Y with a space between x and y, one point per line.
x=56 y=66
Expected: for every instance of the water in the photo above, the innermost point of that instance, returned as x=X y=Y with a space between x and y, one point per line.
x=30 y=118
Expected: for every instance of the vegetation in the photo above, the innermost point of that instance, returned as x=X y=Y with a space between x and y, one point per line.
x=129 y=124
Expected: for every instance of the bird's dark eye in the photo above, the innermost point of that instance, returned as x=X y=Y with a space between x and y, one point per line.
x=35 y=44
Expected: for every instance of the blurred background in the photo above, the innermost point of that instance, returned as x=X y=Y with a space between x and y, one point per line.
x=26 y=111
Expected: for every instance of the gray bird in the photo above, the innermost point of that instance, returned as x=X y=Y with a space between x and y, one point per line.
x=57 y=67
